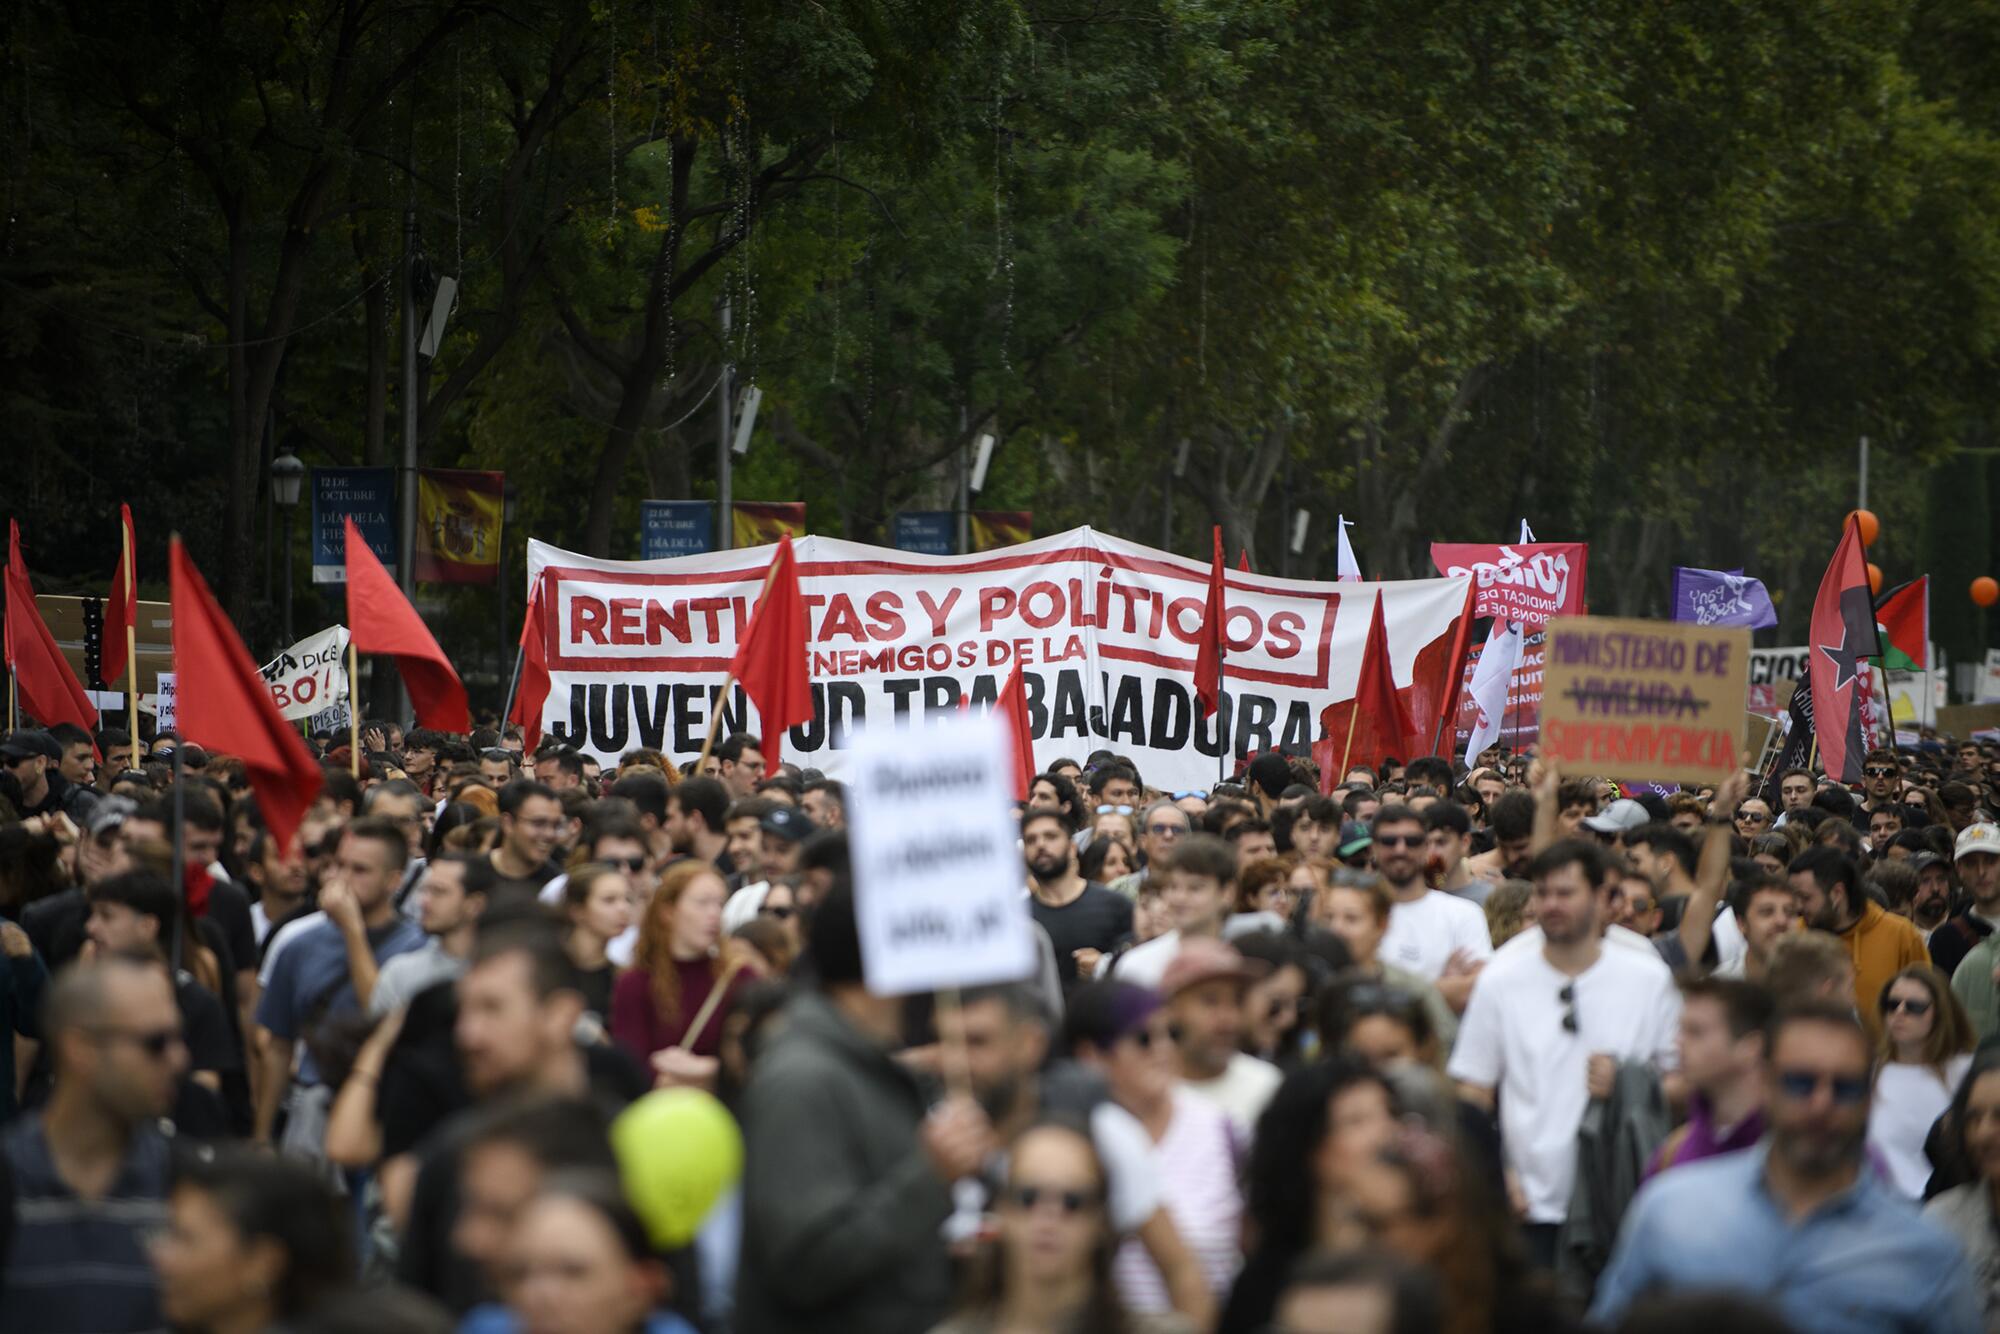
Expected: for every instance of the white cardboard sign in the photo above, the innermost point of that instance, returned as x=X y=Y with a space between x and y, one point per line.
x=937 y=870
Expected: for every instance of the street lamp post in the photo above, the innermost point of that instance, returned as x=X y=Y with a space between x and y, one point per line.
x=288 y=475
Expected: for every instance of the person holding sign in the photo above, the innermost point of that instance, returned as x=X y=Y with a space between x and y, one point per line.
x=847 y=1175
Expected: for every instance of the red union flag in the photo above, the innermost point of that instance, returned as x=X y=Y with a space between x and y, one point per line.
x=1520 y=581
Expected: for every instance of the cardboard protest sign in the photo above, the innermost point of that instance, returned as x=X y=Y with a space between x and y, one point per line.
x=1106 y=633
x=1650 y=701
x=311 y=675
x=938 y=881
x=1530 y=582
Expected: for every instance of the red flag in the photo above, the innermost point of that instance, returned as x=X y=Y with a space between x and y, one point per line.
x=1376 y=723
x=1842 y=640
x=49 y=690
x=1243 y=559
x=120 y=611
x=533 y=690
x=225 y=704
x=381 y=620
x=770 y=661
x=1208 y=662
x=1012 y=707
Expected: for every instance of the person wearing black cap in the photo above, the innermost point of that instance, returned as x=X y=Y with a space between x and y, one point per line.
x=28 y=758
x=784 y=829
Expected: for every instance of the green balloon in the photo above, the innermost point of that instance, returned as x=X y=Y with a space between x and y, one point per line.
x=678 y=1151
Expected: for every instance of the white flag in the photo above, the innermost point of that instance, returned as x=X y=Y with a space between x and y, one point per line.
x=1527 y=533
x=1489 y=685
x=1346 y=568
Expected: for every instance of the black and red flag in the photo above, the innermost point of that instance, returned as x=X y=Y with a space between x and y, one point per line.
x=1842 y=640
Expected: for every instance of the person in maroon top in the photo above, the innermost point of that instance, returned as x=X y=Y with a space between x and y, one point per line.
x=677 y=965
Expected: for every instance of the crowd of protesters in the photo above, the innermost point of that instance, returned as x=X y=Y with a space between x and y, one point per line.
x=1436 y=1048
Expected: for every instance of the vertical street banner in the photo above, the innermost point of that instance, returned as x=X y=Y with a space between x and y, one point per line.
x=459 y=518
x=926 y=532
x=989 y=530
x=1644 y=701
x=368 y=496
x=1106 y=633
x=675 y=528
x=757 y=522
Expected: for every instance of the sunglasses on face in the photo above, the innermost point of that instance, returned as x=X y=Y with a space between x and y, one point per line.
x=1399 y=840
x=1114 y=810
x=1071 y=1202
x=626 y=863
x=1752 y=817
x=1144 y=1038
x=1916 y=1006
x=1164 y=830
x=1877 y=771
x=1800 y=1085
x=156 y=1043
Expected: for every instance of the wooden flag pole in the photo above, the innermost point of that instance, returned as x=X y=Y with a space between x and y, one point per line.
x=131 y=639
x=728 y=680
x=708 y=1006
x=353 y=712
x=1347 y=751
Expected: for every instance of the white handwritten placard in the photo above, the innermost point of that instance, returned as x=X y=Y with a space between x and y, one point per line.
x=937 y=868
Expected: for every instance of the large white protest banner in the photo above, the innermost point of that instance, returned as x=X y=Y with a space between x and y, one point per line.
x=1107 y=633
x=311 y=675
x=939 y=894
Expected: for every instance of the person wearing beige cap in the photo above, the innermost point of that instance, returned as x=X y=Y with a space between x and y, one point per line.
x=1976 y=858
x=1967 y=939
x=1203 y=988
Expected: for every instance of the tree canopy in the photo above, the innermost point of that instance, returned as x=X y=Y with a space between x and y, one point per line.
x=1644 y=274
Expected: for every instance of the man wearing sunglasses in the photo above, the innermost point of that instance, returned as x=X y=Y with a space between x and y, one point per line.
x=1800 y=1221
x=1438 y=936
x=1881 y=778
x=89 y=1176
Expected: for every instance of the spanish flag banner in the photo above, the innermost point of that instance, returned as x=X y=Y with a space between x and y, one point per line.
x=756 y=523
x=459 y=515
x=990 y=529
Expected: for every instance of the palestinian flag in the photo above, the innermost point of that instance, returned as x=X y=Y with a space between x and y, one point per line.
x=1903 y=616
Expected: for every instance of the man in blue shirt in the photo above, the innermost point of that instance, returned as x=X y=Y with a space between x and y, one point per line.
x=1798 y=1220
x=331 y=969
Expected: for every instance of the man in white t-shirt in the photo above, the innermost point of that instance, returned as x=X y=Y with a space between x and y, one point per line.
x=1198 y=893
x=1438 y=936
x=1547 y=1027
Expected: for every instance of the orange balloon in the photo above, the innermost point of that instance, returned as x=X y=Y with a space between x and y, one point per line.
x=1871 y=527
x=1985 y=590
x=1874 y=577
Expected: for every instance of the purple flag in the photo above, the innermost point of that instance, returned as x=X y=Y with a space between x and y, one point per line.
x=1721 y=597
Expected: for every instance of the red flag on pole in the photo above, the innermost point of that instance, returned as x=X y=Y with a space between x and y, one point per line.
x=533 y=690
x=225 y=704
x=120 y=610
x=770 y=661
x=49 y=690
x=381 y=620
x=1012 y=707
x=1376 y=723
x=1243 y=559
x=1208 y=662
x=1843 y=639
